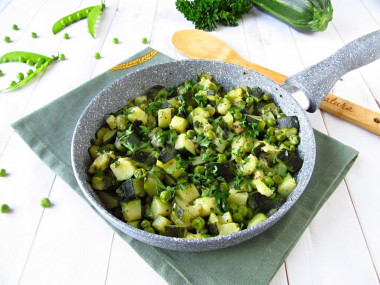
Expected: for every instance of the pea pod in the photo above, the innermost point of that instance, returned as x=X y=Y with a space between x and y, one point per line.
x=92 y=17
x=23 y=56
x=70 y=19
x=38 y=70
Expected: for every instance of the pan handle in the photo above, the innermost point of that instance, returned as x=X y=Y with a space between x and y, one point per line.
x=317 y=80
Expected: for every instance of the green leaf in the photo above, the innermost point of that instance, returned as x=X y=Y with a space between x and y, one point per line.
x=93 y=17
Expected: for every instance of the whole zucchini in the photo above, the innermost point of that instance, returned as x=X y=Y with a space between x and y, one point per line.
x=305 y=16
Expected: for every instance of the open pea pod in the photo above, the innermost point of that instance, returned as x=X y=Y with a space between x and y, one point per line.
x=23 y=56
x=92 y=18
x=70 y=19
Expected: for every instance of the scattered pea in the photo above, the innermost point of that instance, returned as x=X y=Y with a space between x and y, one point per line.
x=66 y=36
x=1 y=73
x=34 y=35
x=248 y=146
x=4 y=208
x=45 y=203
x=243 y=210
x=198 y=223
x=62 y=56
x=7 y=39
x=210 y=135
x=249 y=100
x=3 y=172
x=15 y=27
x=238 y=217
x=146 y=224
x=268 y=180
x=97 y=55
x=238 y=115
x=144 y=41
x=266 y=96
x=221 y=158
x=115 y=40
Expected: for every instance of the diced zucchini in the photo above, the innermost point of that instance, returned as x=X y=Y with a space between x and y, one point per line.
x=184 y=145
x=93 y=151
x=223 y=106
x=257 y=219
x=191 y=235
x=235 y=94
x=248 y=165
x=164 y=117
x=167 y=154
x=101 y=182
x=101 y=162
x=225 y=169
x=288 y=122
x=189 y=194
x=111 y=121
x=109 y=201
x=262 y=187
x=201 y=125
x=135 y=224
x=121 y=122
x=171 y=168
x=287 y=185
x=237 y=147
x=220 y=144
x=123 y=168
x=228 y=120
x=175 y=231
x=132 y=210
x=158 y=207
x=143 y=159
x=109 y=136
x=136 y=114
x=237 y=197
x=133 y=188
x=178 y=124
x=184 y=211
x=159 y=224
x=229 y=228
x=202 y=112
x=151 y=185
x=225 y=218
x=178 y=221
x=208 y=205
x=140 y=99
x=291 y=159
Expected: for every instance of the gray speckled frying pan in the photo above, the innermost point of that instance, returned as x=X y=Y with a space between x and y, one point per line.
x=315 y=82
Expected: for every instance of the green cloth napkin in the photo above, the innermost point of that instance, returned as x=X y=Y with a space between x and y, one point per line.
x=253 y=262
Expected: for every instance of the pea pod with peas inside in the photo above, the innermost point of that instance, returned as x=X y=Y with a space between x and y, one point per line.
x=40 y=61
x=91 y=13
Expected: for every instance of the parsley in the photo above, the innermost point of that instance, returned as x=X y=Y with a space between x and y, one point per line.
x=166 y=137
x=182 y=108
x=134 y=148
x=201 y=101
x=202 y=141
x=220 y=196
x=208 y=157
x=205 y=14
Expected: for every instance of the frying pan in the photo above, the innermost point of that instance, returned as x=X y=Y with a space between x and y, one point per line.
x=314 y=82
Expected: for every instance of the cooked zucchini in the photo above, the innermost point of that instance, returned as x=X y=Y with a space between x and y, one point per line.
x=195 y=161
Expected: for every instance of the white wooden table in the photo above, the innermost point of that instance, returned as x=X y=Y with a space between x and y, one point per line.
x=69 y=244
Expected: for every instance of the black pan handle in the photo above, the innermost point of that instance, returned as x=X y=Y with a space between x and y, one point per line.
x=317 y=80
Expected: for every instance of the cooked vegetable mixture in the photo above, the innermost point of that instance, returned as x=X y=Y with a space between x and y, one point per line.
x=196 y=161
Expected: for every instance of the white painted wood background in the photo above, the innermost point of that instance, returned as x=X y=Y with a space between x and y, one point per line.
x=69 y=244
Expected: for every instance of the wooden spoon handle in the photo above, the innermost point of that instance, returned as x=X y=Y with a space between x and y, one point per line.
x=344 y=109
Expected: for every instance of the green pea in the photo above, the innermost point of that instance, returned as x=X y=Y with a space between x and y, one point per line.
x=62 y=56
x=115 y=40
x=1 y=73
x=45 y=203
x=246 y=187
x=271 y=122
x=97 y=55
x=29 y=72
x=210 y=135
x=30 y=62
x=33 y=35
x=266 y=96
x=7 y=39
x=249 y=100
x=268 y=180
x=189 y=108
x=15 y=27
x=270 y=131
x=232 y=207
x=144 y=41
x=4 y=208
x=150 y=230
x=146 y=224
x=238 y=115
x=221 y=158
x=198 y=223
x=66 y=36
x=20 y=76
x=199 y=169
x=165 y=196
x=13 y=83
x=248 y=146
x=22 y=59
x=281 y=137
x=238 y=217
x=3 y=172
x=191 y=134
x=277 y=179
x=140 y=173
x=294 y=139
x=224 y=186
x=243 y=210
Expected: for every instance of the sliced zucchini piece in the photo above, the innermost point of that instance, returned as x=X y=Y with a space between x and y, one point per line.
x=136 y=114
x=223 y=106
x=237 y=197
x=101 y=162
x=184 y=145
x=178 y=124
x=159 y=224
x=288 y=122
x=287 y=185
x=151 y=185
x=229 y=228
x=158 y=207
x=109 y=200
x=143 y=159
x=189 y=194
x=133 y=188
x=175 y=231
x=225 y=169
x=164 y=117
x=291 y=159
x=257 y=219
x=167 y=154
x=123 y=168
x=132 y=210
x=262 y=187
x=171 y=168
x=109 y=136
x=208 y=205
x=248 y=165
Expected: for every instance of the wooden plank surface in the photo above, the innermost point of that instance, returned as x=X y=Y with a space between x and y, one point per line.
x=69 y=244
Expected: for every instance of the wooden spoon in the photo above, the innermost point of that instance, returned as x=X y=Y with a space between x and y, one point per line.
x=202 y=45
